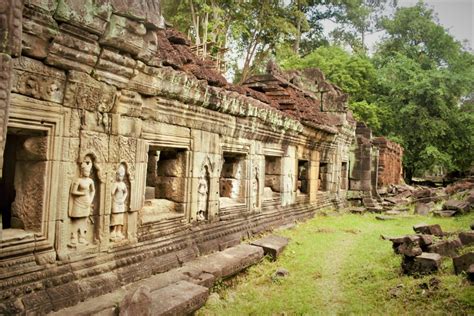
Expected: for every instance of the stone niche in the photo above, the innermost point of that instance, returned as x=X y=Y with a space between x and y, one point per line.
x=303 y=177
x=273 y=178
x=165 y=184
x=23 y=185
x=323 y=176
x=232 y=182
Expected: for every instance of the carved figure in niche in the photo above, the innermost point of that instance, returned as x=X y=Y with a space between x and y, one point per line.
x=82 y=194
x=203 y=195
x=119 y=199
x=255 y=189
x=289 y=184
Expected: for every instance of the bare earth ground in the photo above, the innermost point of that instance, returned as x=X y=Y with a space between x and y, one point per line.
x=338 y=264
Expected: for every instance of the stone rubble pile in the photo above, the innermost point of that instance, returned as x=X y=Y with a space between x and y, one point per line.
x=455 y=199
x=422 y=252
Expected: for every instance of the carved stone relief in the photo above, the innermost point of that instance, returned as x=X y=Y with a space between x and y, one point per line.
x=32 y=78
x=119 y=205
x=81 y=202
x=98 y=144
x=255 y=189
x=203 y=194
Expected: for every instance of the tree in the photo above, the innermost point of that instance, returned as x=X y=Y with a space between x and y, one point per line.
x=354 y=73
x=423 y=75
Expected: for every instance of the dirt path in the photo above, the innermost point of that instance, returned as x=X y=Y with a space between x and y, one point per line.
x=329 y=282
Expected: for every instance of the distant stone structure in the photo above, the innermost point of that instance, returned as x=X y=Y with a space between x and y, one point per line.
x=390 y=166
x=123 y=155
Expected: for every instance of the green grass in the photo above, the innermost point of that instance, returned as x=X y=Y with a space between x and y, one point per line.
x=340 y=265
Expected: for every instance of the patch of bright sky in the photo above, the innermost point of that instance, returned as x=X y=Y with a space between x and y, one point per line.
x=457 y=16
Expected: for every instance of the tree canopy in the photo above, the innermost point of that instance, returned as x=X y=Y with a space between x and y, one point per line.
x=417 y=87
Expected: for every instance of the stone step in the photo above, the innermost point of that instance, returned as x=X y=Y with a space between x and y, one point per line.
x=272 y=245
x=180 y=298
x=179 y=291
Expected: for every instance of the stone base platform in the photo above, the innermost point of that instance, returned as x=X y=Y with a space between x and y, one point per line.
x=179 y=291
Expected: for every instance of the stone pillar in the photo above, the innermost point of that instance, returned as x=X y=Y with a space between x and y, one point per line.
x=10 y=46
x=314 y=176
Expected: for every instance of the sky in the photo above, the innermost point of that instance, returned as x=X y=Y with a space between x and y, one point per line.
x=457 y=16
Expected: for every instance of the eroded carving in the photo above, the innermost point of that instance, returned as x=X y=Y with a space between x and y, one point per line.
x=203 y=194
x=84 y=92
x=32 y=78
x=119 y=205
x=82 y=197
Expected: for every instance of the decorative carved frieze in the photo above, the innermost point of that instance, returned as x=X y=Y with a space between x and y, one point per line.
x=84 y=92
x=96 y=144
x=124 y=149
x=74 y=49
x=33 y=78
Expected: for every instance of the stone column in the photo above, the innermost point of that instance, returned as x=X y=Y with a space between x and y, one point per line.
x=10 y=46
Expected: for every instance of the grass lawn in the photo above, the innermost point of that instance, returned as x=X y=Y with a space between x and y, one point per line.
x=340 y=265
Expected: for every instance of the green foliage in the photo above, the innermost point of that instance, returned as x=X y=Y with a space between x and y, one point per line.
x=423 y=73
x=416 y=89
x=353 y=73
x=340 y=265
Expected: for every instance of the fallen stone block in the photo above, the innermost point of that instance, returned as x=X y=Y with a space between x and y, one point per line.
x=455 y=205
x=137 y=302
x=424 y=208
x=410 y=246
x=445 y=213
x=393 y=212
x=426 y=263
x=423 y=193
x=272 y=245
x=466 y=238
x=392 y=200
x=462 y=263
x=180 y=298
x=375 y=209
x=228 y=262
x=357 y=210
x=428 y=229
x=425 y=242
x=446 y=248
x=384 y=218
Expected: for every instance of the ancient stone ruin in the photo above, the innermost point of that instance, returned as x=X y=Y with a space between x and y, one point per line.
x=123 y=155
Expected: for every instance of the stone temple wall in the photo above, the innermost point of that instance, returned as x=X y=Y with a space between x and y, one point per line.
x=123 y=155
x=390 y=167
